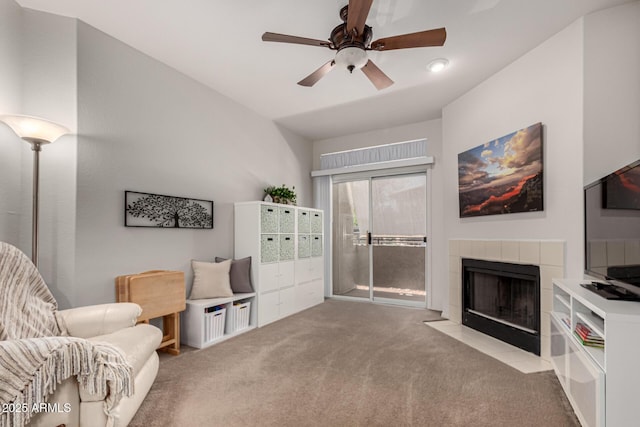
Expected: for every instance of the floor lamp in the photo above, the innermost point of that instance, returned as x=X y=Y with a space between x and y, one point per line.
x=37 y=132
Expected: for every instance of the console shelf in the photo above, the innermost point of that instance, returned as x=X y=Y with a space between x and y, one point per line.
x=595 y=323
x=207 y=322
x=600 y=383
x=564 y=301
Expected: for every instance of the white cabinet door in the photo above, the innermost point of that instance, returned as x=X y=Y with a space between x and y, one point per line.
x=586 y=383
x=316 y=268
x=269 y=277
x=310 y=269
x=268 y=307
x=304 y=298
x=287 y=301
x=301 y=271
x=286 y=274
x=309 y=294
x=559 y=349
x=318 y=292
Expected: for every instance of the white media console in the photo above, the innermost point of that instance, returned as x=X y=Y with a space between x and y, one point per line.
x=602 y=384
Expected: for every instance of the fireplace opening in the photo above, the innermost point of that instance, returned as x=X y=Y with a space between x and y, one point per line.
x=502 y=300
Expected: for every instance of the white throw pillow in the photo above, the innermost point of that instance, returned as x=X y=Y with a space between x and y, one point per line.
x=211 y=280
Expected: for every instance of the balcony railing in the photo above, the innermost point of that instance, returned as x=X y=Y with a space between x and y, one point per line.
x=391 y=240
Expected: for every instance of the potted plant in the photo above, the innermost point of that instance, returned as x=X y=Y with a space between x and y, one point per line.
x=282 y=194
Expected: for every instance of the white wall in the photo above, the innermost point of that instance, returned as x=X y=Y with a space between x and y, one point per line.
x=10 y=56
x=545 y=85
x=612 y=90
x=38 y=77
x=141 y=126
x=431 y=131
x=11 y=147
x=49 y=90
x=145 y=127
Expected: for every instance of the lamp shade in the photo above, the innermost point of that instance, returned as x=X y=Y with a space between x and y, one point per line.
x=34 y=129
x=351 y=58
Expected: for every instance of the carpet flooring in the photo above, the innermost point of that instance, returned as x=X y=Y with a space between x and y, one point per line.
x=348 y=363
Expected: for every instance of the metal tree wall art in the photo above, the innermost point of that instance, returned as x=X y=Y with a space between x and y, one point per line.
x=156 y=210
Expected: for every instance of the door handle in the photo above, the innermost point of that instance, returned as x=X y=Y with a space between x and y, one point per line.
x=369 y=240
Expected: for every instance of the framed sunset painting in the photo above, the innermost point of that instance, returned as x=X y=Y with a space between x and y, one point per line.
x=502 y=176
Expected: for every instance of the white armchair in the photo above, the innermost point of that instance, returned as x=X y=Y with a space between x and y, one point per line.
x=114 y=324
x=87 y=366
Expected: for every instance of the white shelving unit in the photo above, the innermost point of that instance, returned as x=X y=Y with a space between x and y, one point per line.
x=285 y=244
x=202 y=326
x=601 y=383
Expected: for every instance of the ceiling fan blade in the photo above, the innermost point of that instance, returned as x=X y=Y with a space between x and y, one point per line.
x=427 y=38
x=313 y=78
x=283 y=38
x=379 y=79
x=357 y=15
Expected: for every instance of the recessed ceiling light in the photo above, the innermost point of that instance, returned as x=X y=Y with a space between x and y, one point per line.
x=437 y=65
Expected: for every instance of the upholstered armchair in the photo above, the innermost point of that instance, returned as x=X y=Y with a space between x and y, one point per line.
x=114 y=324
x=86 y=366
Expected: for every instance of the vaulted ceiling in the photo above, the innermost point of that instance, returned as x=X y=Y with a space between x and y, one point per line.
x=218 y=42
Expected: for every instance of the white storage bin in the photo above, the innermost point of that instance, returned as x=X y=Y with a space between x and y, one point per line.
x=239 y=316
x=213 y=324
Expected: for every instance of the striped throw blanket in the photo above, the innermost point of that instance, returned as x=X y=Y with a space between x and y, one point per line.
x=35 y=352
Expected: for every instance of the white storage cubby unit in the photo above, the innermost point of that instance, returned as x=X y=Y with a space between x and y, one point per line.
x=601 y=383
x=309 y=267
x=285 y=244
x=208 y=321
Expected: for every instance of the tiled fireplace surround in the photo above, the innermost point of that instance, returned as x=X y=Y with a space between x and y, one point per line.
x=547 y=254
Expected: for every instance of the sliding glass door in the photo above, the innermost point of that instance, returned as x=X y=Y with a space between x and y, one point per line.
x=351 y=266
x=379 y=238
x=399 y=237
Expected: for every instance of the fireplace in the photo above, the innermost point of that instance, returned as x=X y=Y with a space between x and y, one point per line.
x=502 y=300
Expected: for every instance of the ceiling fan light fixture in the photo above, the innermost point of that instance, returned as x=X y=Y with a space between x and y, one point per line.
x=438 y=65
x=351 y=58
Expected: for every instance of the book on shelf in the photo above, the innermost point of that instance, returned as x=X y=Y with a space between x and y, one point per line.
x=587 y=336
x=586 y=332
x=567 y=322
x=589 y=343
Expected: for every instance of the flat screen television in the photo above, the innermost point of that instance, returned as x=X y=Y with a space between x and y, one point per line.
x=612 y=228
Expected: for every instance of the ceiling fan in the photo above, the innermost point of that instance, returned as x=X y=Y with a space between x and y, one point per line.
x=352 y=40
